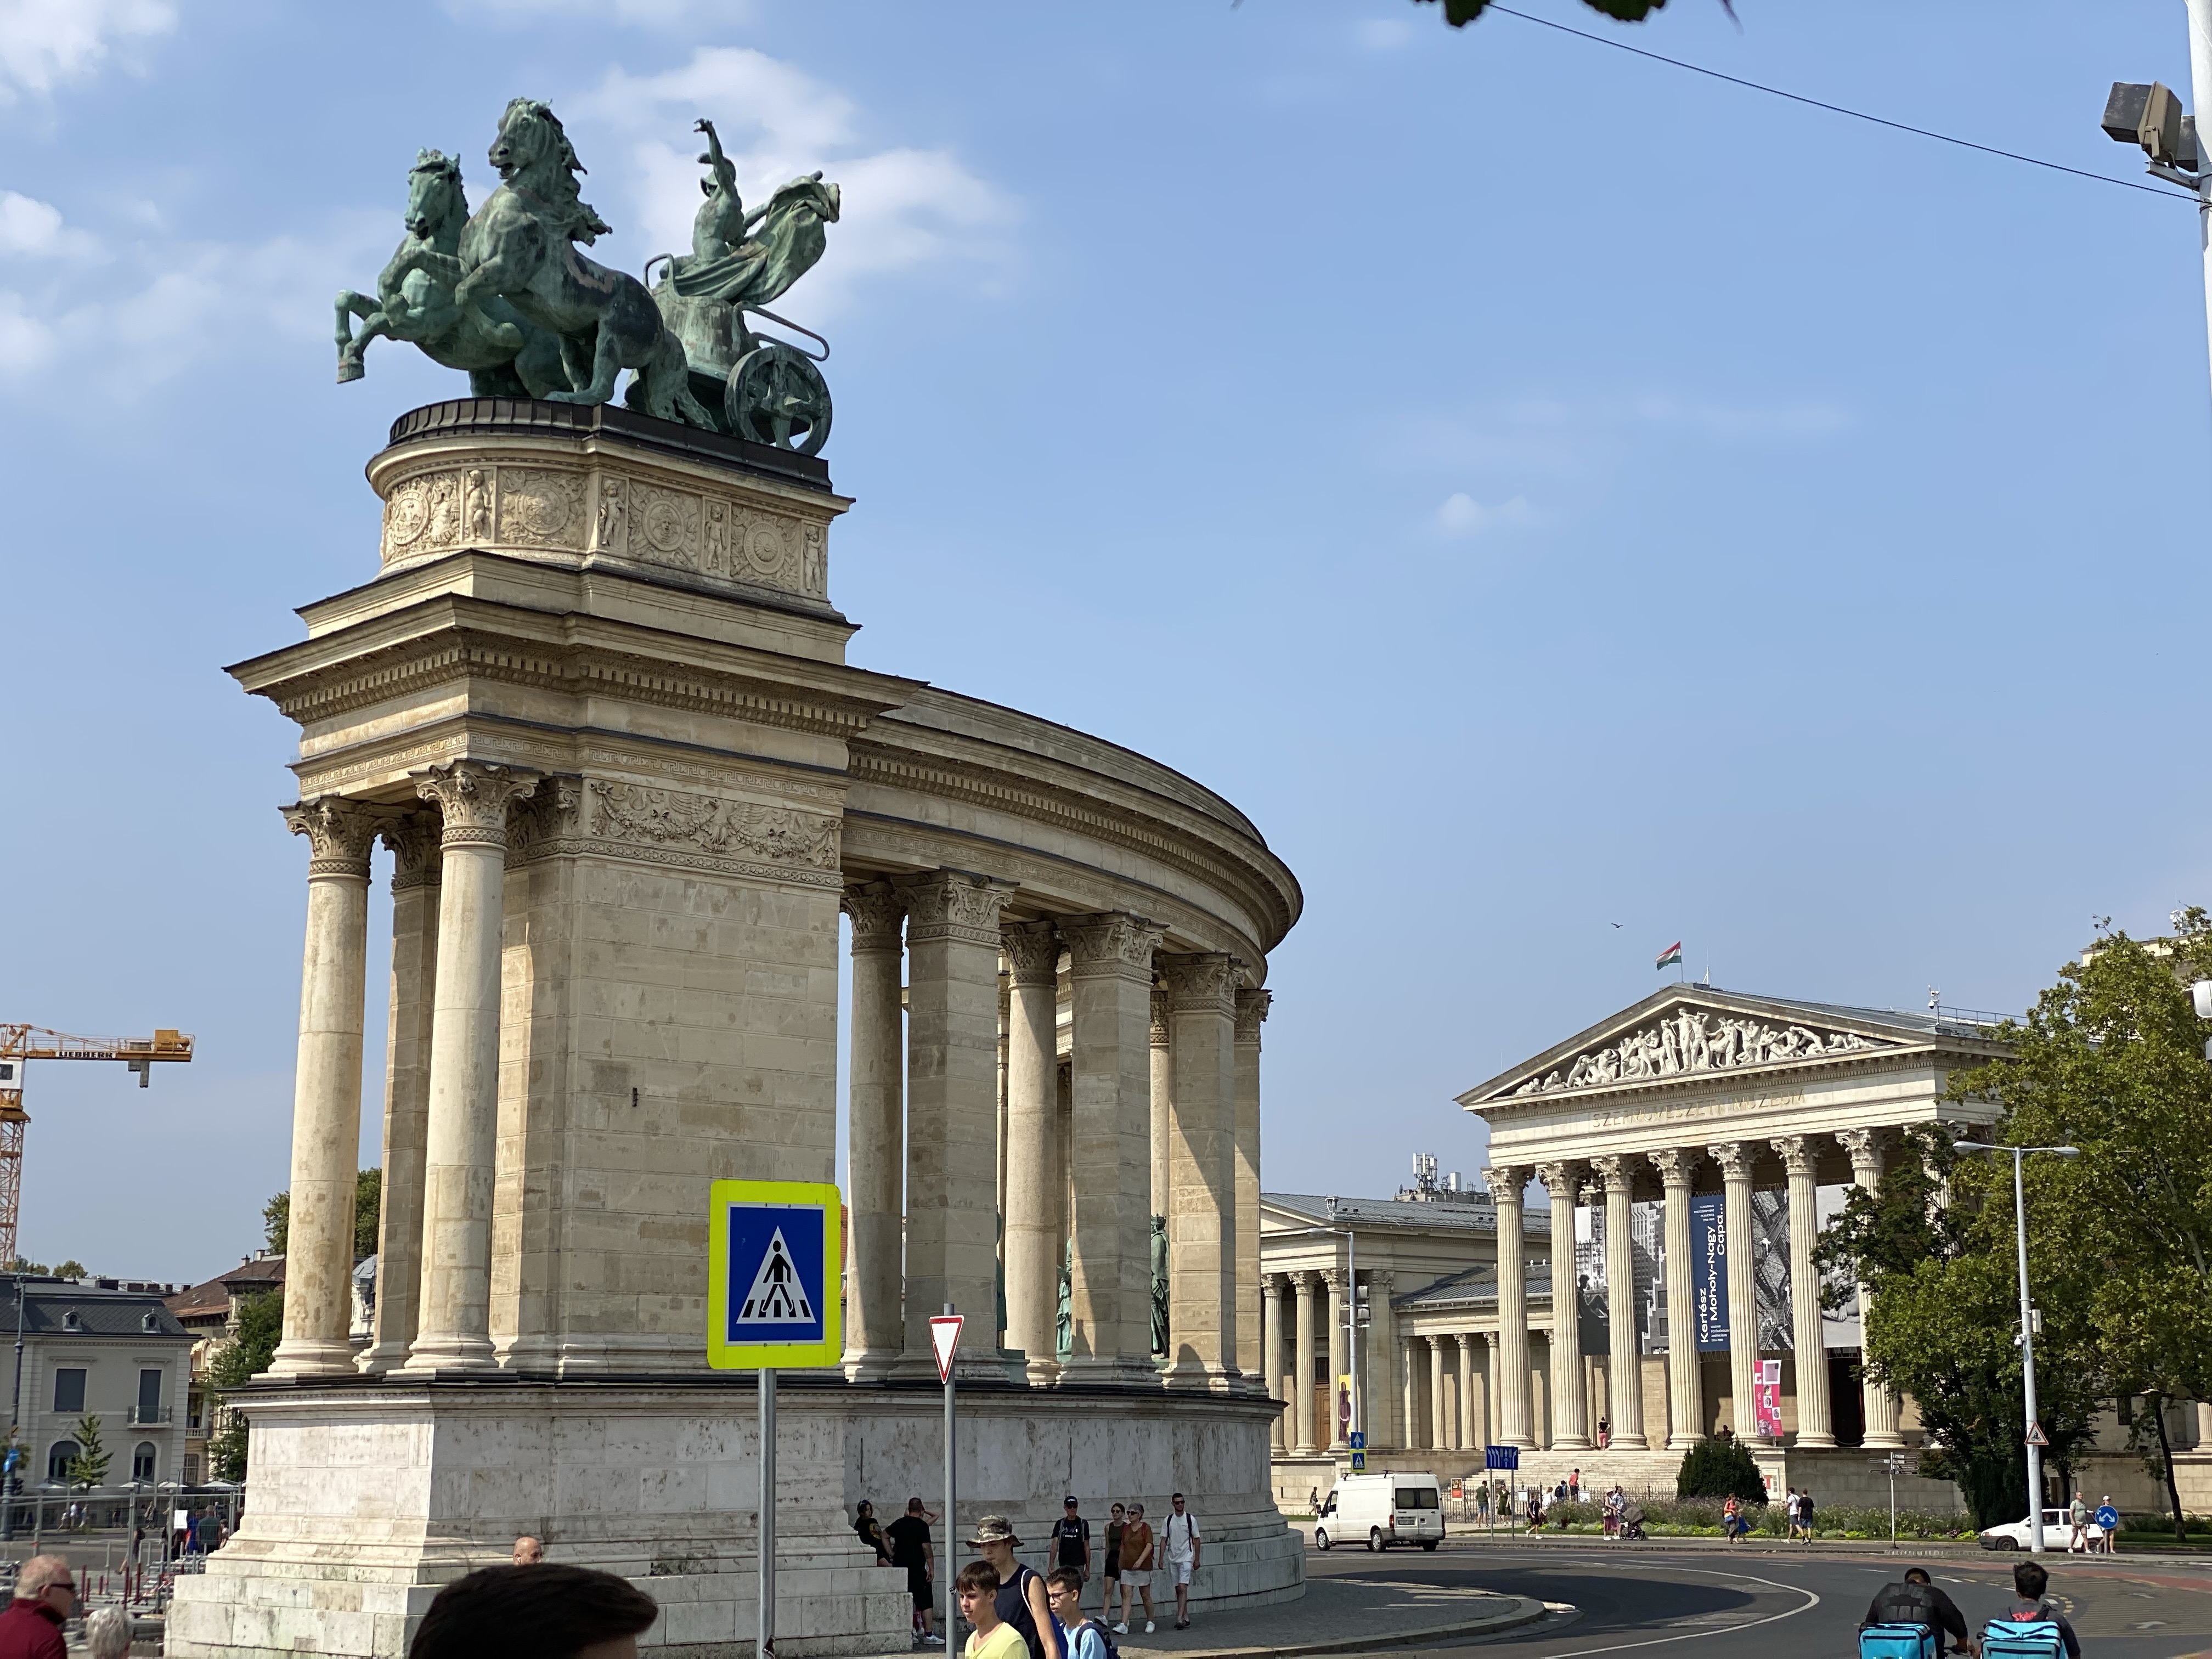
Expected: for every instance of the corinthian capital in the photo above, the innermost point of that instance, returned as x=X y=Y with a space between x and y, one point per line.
x=1251 y=1014
x=1677 y=1164
x=1160 y=1037
x=474 y=796
x=1203 y=982
x=954 y=905
x=1864 y=1147
x=1735 y=1158
x=1798 y=1153
x=1506 y=1181
x=1617 y=1171
x=413 y=838
x=1032 y=949
x=340 y=833
x=1560 y=1179
x=1112 y=943
x=877 y=909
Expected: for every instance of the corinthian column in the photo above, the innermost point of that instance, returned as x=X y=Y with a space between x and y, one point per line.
x=1161 y=1207
x=1511 y=1386
x=1815 y=1426
x=1340 y=1348
x=1302 y=1383
x=875 y=1123
x=1570 y=1407
x=1110 y=984
x=1202 y=1174
x=952 y=1110
x=1686 y=1397
x=1735 y=1159
x=1382 y=1406
x=454 y=1327
x=1251 y=1010
x=1625 y=1366
x=1034 y=1182
x=1880 y=1405
x=327 y=1089
x=413 y=839
x=1271 y=1347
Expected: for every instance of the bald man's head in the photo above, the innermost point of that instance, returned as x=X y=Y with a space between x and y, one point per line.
x=528 y=1552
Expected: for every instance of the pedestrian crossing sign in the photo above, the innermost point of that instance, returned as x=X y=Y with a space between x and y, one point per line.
x=772 y=1275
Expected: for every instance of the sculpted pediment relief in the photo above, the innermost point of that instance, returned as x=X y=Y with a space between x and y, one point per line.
x=1687 y=1040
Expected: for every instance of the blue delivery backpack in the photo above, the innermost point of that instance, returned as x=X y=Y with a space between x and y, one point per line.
x=1896 y=1642
x=2022 y=1638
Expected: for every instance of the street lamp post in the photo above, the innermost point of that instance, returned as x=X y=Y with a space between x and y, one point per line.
x=2026 y=1324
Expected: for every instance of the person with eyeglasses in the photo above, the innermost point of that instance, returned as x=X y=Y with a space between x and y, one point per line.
x=46 y=1594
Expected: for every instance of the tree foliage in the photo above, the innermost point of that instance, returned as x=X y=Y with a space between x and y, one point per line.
x=89 y=1466
x=1459 y=12
x=1720 y=1469
x=1937 y=1256
x=2111 y=1060
x=246 y=1355
x=72 y=1268
x=367 y=1210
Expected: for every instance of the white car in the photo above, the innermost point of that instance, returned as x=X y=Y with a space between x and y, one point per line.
x=2013 y=1535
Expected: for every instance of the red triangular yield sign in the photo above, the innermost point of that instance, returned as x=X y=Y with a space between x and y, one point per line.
x=944 y=1337
x=2036 y=1436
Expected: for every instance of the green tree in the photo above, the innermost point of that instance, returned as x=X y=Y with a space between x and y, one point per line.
x=367 y=1209
x=72 y=1268
x=2111 y=1060
x=35 y=1269
x=89 y=1466
x=1720 y=1469
x=1459 y=12
x=246 y=1355
x=1938 y=1258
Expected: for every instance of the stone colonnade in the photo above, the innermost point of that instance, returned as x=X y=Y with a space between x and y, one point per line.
x=1614 y=1177
x=1162 y=1118
x=926 y=1035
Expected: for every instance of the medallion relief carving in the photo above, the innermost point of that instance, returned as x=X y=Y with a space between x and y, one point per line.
x=1688 y=1041
x=538 y=507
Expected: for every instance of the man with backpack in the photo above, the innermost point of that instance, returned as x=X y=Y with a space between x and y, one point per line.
x=2030 y=1627
x=1020 y=1600
x=1086 y=1637
x=1916 y=1602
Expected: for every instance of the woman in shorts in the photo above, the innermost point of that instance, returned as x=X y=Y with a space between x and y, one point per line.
x=1137 y=1547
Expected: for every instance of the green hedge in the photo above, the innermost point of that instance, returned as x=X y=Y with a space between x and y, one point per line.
x=1701 y=1517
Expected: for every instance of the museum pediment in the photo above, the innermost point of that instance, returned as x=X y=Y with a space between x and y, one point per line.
x=1686 y=1038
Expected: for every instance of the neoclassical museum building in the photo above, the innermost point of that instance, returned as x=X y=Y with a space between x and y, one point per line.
x=1684 y=1153
x=593 y=698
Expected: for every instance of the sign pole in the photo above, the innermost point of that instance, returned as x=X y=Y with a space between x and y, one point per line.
x=952 y=1502
x=764 y=1623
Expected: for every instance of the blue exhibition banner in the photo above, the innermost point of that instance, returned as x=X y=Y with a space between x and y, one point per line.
x=1708 y=1269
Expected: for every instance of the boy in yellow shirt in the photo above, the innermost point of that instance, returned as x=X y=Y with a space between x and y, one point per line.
x=994 y=1638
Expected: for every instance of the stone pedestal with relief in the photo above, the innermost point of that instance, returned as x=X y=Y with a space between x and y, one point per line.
x=595 y=705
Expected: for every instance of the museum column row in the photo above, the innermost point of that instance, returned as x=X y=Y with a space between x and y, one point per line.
x=1162 y=1117
x=1613 y=1180
x=434 y=1311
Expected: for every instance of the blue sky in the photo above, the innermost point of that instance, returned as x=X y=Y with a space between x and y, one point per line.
x=1545 y=488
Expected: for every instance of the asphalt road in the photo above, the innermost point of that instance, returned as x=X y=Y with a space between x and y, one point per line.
x=1775 y=1604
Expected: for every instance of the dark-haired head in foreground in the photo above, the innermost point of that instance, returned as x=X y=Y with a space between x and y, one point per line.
x=548 y=1612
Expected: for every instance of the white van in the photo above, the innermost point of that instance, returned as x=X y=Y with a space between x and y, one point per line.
x=1382 y=1509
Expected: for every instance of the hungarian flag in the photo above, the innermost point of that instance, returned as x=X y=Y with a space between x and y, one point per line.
x=1669 y=957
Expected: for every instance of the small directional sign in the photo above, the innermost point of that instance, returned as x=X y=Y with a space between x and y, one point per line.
x=1359 y=1440
x=1359 y=1462
x=2036 y=1436
x=944 y=1337
x=1501 y=1457
x=772 y=1255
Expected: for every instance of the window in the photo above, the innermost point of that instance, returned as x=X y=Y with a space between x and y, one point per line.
x=149 y=1396
x=69 y=1389
x=63 y=1454
x=193 y=1469
x=1415 y=1498
x=142 y=1461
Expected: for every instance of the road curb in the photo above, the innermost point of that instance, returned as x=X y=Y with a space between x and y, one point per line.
x=1525 y=1610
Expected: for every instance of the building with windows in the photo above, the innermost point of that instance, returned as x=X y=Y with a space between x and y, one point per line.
x=208 y=1313
x=101 y=1348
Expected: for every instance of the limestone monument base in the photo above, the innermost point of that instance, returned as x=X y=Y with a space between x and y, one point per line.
x=365 y=1499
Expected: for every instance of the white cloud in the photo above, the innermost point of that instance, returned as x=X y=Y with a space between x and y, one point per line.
x=643 y=13
x=26 y=344
x=902 y=207
x=1460 y=515
x=30 y=227
x=45 y=43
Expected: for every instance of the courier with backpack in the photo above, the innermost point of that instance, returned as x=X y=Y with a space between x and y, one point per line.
x=1901 y=1624
x=2030 y=1628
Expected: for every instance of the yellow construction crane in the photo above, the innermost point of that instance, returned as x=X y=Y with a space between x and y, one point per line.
x=20 y=1044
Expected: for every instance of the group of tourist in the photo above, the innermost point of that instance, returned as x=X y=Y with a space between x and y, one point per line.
x=1042 y=1613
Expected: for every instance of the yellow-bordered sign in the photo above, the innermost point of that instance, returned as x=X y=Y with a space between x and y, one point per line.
x=773 y=1253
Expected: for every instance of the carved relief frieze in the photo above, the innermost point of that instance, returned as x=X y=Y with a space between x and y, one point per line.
x=664 y=526
x=540 y=507
x=777 y=835
x=1689 y=1039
